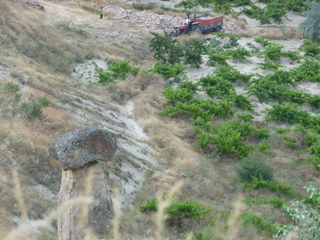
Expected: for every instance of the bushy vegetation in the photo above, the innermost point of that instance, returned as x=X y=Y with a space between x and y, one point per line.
x=250 y=219
x=272 y=186
x=254 y=166
x=310 y=26
x=33 y=108
x=116 y=70
x=168 y=50
x=177 y=210
x=274 y=10
x=169 y=71
x=13 y=106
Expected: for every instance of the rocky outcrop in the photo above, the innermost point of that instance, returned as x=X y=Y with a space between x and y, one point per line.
x=77 y=148
x=79 y=152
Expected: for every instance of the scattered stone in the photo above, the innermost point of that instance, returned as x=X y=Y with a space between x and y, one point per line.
x=144 y=19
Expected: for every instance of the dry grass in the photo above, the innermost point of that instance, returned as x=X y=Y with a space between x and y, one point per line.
x=57 y=116
x=208 y=178
x=268 y=32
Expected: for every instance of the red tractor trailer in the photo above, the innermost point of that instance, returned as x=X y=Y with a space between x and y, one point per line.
x=200 y=25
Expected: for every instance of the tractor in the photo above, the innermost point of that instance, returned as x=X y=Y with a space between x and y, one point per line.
x=198 y=25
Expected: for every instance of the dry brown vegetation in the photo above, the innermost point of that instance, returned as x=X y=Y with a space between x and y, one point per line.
x=31 y=43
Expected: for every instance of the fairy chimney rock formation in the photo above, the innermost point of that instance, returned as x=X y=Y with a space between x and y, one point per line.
x=78 y=152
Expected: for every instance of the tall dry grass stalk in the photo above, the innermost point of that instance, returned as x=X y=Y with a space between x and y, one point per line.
x=26 y=228
x=238 y=207
x=163 y=204
x=18 y=194
x=116 y=212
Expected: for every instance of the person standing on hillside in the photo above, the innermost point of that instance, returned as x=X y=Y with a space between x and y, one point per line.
x=189 y=24
x=101 y=13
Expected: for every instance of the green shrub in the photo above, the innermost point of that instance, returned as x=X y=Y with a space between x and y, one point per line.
x=310 y=47
x=230 y=44
x=309 y=70
x=310 y=26
x=261 y=133
x=231 y=74
x=291 y=142
x=229 y=138
x=262 y=147
x=165 y=48
x=296 y=6
x=188 y=209
x=273 y=187
x=12 y=89
x=273 y=52
x=257 y=13
x=315 y=148
x=240 y=54
x=234 y=38
x=284 y=130
x=213 y=44
x=315 y=161
x=272 y=200
x=33 y=108
x=200 y=125
x=186 y=4
x=241 y=101
x=116 y=70
x=269 y=65
x=105 y=77
x=223 y=7
x=192 y=87
x=249 y=219
x=245 y=117
x=293 y=55
x=169 y=71
x=120 y=69
x=262 y=41
x=192 y=54
x=254 y=166
x=276 y=10
x=267 y=89
x=289 y=113
x=216 y=86
x=219 y=58
x=180 y=95
x=193 y=109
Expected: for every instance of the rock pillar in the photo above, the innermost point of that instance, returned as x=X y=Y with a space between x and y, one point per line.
x=83 y=180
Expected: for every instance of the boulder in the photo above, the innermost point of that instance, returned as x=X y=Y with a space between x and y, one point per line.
x=79 y=147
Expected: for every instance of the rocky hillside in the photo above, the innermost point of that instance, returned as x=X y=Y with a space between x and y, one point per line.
x=49 y=60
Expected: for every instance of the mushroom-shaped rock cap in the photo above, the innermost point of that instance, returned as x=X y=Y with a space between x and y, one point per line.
x=77 y=148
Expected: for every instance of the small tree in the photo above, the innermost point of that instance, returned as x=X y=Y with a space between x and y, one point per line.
x=165 y=48
x=310 y=26
x=254 y=166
